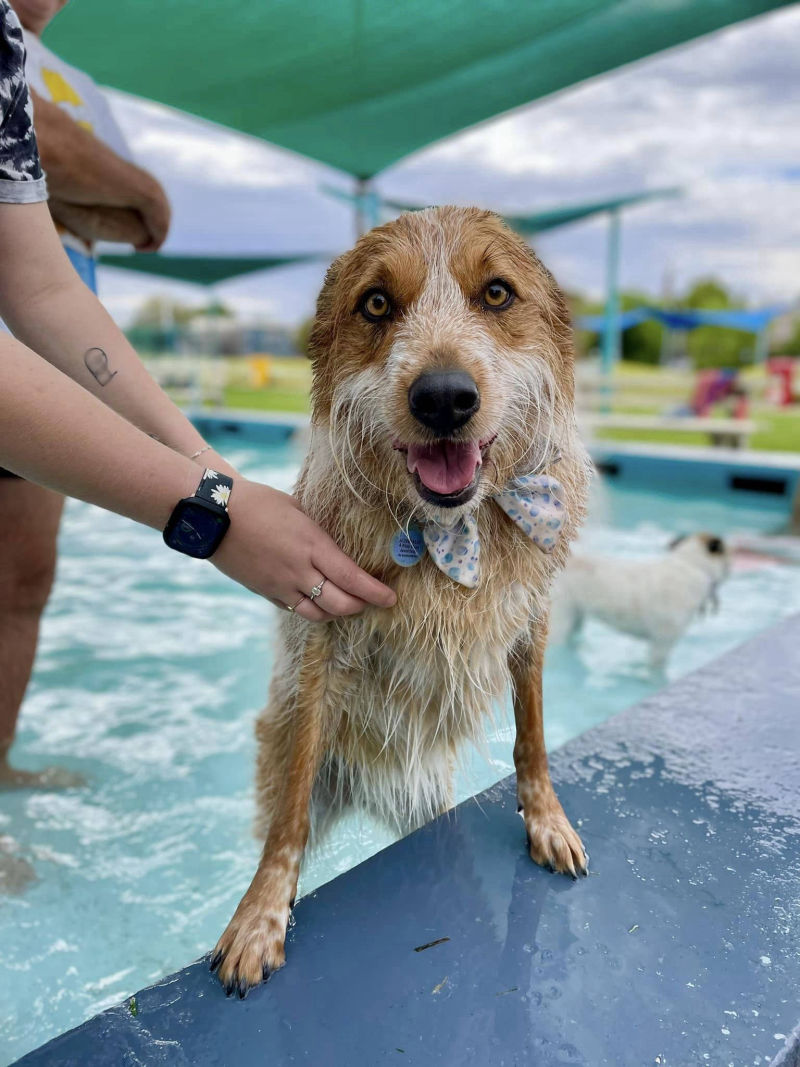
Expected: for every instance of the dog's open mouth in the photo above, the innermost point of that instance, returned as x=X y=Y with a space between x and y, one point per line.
x=446 y=472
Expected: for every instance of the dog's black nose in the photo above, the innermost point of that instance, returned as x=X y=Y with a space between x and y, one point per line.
x=444 y=400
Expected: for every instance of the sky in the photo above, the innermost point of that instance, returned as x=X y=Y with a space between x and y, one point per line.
x=719 y=117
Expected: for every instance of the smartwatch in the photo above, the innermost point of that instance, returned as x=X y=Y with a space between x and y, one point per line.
x=198 y=523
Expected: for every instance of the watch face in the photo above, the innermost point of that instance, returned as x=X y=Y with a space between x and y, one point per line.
x=196 y=529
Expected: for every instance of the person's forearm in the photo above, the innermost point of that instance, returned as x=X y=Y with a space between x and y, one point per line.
x=49 y=308
x=82 y=169
x=56 y=434
x=70 y=328
x=51 y=311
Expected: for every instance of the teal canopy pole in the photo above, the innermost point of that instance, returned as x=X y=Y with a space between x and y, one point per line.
x=611 y=331
x=368 y=206
x=761 y=351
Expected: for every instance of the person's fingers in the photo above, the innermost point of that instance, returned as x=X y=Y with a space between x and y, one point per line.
x=309 y=611
x=147 y=245
x=336 y=602
x=332 y=600
x=156 y=219
x=350 y=578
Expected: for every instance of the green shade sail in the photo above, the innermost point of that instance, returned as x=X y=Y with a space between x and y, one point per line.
x=541 y=221
x=203 y=270
x=361 y=83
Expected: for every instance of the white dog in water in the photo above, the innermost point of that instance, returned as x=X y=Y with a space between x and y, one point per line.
x=655 y=599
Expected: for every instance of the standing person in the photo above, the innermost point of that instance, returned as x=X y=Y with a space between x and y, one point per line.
x=96 y=192
x=80 y=415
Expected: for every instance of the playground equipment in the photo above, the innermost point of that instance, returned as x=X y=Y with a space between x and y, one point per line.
x=781 y=374
x=715 y=387
x=260 y=371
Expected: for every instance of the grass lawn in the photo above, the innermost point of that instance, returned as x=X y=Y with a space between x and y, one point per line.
x=779 y=432
x=270 y=398
x=289 y=384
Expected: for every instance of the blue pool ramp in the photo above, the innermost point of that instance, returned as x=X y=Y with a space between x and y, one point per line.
x=271 y=428
x=768 y=480
x=682 y=948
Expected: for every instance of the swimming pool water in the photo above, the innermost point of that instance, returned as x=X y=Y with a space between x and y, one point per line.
x=151 y=670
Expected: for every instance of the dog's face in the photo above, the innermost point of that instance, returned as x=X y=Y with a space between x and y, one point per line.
x=706 y=548
x=442 y=360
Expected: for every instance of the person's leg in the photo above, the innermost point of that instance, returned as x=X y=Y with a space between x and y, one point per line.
x=27 y=564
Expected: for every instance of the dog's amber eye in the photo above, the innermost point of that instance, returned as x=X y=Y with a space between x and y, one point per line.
x=497 y=295
x=375 y=305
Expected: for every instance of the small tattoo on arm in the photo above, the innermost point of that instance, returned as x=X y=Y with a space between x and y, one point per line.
x=97 y=364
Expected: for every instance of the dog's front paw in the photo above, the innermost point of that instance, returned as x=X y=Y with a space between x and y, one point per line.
x=552 y=842
x=250 y=949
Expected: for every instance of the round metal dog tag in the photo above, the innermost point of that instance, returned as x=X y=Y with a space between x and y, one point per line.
x=408 y=546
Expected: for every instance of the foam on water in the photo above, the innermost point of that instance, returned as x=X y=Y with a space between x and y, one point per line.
x=150 y=673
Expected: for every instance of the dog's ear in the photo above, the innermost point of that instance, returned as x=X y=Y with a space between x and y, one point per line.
x=677 y=541
x=322 y=329
x=716 y=546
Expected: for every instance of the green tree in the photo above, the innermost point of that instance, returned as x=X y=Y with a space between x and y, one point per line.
x=214 y=310
x=708 y=293
x=716 y=346
x=156 y=312
x=302 y=334
x=641 y=343
x=790 y=345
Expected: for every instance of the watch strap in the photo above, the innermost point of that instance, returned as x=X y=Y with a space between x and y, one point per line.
x=215 y=488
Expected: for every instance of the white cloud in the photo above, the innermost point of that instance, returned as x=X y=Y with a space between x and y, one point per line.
x=179 y=145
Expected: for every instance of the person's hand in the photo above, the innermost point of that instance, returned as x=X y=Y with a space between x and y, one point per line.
x=153 y=206
x=275 y=549
x=122 y=225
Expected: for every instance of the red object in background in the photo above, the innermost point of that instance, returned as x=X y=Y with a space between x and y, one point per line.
x=741 y=406
x=781 y=370
x=711 y=387
x=701 y=401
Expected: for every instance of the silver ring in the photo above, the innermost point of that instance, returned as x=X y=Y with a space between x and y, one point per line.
x=316 y=590
x=291 y=609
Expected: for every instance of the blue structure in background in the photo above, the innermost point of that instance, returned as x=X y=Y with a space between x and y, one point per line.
x=769 y=481
x=687 y=319
x=755 y=321
x=452 y=947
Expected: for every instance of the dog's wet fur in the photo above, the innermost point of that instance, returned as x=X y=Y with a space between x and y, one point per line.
x=372 y=710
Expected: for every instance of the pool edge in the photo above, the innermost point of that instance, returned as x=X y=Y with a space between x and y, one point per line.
x=656 y=729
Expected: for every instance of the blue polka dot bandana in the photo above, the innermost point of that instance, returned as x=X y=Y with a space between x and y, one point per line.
x=534 y=502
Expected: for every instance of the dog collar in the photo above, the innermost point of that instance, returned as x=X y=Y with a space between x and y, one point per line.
x=535 y=503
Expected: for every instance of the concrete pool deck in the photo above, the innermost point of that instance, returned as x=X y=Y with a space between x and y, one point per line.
x=451 y=947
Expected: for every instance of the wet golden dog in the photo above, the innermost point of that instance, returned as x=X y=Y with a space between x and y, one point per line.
x=443 y=372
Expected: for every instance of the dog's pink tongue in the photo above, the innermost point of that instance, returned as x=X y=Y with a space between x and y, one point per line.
x=447 y=466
